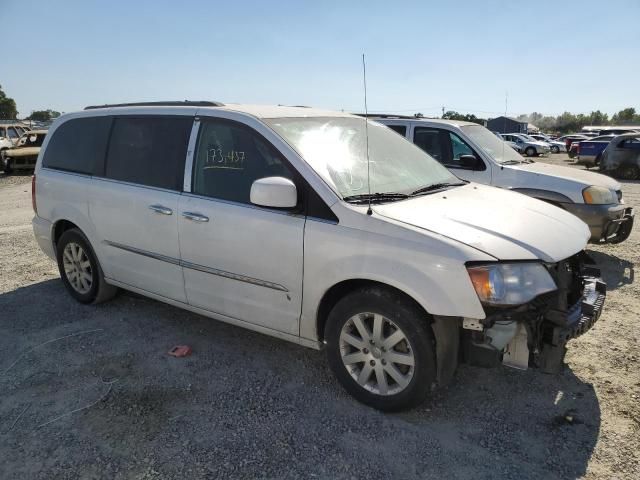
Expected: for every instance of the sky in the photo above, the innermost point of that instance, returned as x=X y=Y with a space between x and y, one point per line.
x=470 y=56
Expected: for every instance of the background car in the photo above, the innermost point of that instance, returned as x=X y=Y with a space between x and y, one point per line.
x=527 y=145
x=621 y=158
x=555 y=145
x=570 y=139
x=513 y=145
x=590 y=151
x=24 y=155
x=9 y=135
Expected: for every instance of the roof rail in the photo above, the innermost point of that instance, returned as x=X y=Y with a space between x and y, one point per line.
x=387 y=115
x=184 y=103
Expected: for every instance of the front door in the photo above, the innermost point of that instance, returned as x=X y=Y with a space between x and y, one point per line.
x=453 y=152
x=240 y=260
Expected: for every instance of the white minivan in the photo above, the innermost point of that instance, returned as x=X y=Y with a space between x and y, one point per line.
x=474 y=153
x=318 y=228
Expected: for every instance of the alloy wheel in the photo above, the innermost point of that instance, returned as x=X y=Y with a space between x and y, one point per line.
x=377 y=353
x=77 y=268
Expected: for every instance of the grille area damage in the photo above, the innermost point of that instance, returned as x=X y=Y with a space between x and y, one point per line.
x=536 y=334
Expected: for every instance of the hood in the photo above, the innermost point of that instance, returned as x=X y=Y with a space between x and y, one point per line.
x=503 y=224
x=538 y=143
x=573 y=174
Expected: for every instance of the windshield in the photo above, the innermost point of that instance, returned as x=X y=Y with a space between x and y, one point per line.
x=499 y=150
x=335 y=147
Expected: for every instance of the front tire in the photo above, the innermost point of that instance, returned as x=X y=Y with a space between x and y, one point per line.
x=6 y=164
x=530 y=152
x=80 y=270
x=555 y=149
x=381 y=349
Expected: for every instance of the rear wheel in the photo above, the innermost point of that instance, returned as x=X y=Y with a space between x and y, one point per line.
x=380 y=347
x=629 y=172
x=555 y=149
x=80 y=270
x=530 y=151
x=596 y=162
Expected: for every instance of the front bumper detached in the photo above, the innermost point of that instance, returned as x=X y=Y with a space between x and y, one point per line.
x=560 y=327
x=539 y=330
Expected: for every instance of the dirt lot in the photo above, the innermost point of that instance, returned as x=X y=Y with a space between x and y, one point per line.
x=89 y=392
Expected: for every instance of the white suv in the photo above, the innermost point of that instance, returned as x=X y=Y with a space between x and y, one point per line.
x=262 y=217
x=475 y=154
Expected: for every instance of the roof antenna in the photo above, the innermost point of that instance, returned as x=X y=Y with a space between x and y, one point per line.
x=366 y=131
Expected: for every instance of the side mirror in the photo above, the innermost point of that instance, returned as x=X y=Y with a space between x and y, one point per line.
x=470 y=162
x=274 y=192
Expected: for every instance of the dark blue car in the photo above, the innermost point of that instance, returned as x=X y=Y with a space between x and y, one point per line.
x=590 y=151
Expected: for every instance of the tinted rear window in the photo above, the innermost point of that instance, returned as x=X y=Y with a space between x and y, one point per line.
x=78 y=145
x=149 y=151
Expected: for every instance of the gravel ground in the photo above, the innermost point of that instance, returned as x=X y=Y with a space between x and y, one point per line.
x=90 y=392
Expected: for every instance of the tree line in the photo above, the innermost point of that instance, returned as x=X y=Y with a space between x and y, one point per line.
x=564 y=123
x=569 y=122
x=9 y=111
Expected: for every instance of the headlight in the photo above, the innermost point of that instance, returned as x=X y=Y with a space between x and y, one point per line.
x=598 y=196
x=510 y=283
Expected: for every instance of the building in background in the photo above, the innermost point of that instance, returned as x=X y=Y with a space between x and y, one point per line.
x=507 y=125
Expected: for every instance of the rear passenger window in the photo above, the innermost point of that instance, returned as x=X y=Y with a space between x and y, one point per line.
x=149 y=151
x=78 y=145
x=229 y=158
x=429 y=140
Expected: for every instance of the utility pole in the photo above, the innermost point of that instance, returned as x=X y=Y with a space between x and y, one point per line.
x=443 y=111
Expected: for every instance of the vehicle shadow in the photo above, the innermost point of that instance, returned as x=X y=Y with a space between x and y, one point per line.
x=248 y=405
x=615 y=271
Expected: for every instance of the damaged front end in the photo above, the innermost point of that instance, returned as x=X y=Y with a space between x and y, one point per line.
x=535 y=333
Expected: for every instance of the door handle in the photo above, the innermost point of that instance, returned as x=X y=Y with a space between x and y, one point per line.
x=196 y=217
x=161 y=209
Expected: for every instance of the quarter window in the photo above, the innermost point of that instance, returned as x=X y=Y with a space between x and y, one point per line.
x=149 y=151
x=229 y=158
x=401 y=129
x=78 y=145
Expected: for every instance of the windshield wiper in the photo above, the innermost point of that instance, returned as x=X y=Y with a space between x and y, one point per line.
x=375 y=197
x=436 y=186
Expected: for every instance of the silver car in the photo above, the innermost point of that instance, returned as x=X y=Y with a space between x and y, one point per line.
x=528 y=145
x=555 y=145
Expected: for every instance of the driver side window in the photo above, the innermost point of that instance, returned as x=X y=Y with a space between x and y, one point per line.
x=229 y=158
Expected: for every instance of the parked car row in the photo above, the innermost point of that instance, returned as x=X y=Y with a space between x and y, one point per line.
x=556 y=146
x=331 y=231
x=528 y=145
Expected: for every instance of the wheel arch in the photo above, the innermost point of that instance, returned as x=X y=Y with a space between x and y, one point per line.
x=59 y=228
x=445 y=330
